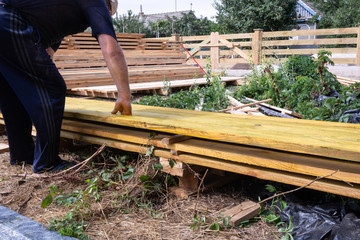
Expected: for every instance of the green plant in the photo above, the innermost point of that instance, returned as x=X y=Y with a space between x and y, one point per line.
x=73 y=222
x=214 y=224
x=270 y=214
x=296 y=83
x=212 y=97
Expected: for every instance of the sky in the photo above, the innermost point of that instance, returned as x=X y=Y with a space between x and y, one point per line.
x=202 y=8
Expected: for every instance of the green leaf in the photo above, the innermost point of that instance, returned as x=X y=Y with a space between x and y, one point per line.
x=215 y=226
x=270 y=188
x=157 y=166
x=171 y=162
x=285 y=237
x=47 y=201
x=144 y=178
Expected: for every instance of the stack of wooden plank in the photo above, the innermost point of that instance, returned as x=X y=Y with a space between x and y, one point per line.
x=81 y=63
x=286 y=150
x=291 y=151
x=76 y=78
x=87 y=41
x=128 y=41
x=84 y=58
x=347 y=81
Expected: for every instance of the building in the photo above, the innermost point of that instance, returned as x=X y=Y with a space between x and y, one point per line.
x=305 y=12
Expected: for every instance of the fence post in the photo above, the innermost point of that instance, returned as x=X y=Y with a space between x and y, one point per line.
x=175 y=37
x=256 y=46
x=358 y=47
x=214 y=50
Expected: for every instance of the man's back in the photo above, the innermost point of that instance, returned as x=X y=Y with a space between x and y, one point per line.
x=55 y=19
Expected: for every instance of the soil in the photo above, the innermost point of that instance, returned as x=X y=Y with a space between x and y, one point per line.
x=163 y=217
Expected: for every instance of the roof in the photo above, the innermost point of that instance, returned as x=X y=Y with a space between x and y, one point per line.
x=305 y=11
x=163 y=16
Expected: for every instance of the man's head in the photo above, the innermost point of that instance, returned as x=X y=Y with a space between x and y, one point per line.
x=112 y=6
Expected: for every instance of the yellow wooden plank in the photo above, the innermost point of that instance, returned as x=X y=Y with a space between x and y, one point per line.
x=337 y=140
x=326 y=185
x=303 y=164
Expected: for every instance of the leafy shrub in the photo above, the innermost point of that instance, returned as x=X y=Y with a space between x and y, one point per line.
x=211 y=97
x=298 y=80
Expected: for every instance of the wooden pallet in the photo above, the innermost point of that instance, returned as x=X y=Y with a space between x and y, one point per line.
x=76 y=78
x=83 y=58
x=110 y=91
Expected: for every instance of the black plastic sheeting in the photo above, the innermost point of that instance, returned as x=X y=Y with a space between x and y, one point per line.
x=354 y=115
x=273 y=113
x=327 y=221
x=14 y=226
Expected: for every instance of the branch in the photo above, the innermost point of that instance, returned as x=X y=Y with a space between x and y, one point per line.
x=78 y=167
x=297 y=189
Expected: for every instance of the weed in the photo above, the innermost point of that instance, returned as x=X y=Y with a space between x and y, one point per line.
x=212 y=97
x=298 y=80
x=271 y=214
x=211 y=223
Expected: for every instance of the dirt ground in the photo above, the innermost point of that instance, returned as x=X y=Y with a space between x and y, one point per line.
x=166 y=217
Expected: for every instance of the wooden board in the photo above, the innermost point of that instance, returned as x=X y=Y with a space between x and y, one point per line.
x=110 y=91
x=326 y=185
x=296 y=163
x=242 y=212
x=334 y=140
x=224 y=156
x=4 y=148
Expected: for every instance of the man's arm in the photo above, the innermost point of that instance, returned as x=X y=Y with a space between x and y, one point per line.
x=51 y=52
x=116 y=63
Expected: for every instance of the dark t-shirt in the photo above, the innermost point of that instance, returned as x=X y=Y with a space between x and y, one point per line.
x=56 y=19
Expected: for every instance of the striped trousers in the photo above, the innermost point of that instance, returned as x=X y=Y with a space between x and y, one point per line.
x=32 y=92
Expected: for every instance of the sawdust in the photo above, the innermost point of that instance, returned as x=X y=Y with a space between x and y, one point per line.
x=169 y=217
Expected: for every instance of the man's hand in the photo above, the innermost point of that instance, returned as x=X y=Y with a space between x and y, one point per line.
x=123 y=106
x=116 y=63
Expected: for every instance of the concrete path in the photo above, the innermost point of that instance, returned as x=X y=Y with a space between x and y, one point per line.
x=14 y=226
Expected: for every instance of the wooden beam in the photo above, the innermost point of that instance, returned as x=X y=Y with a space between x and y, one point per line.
x=333 y=186
x=176 y=170
x=242 y=212
x=175 y=139
x=235 y=49
x=196 y=49
x=214 y=50
x=4 y=148
x=320 y=138
x=256 y=46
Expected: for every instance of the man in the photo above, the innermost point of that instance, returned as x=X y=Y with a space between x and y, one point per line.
x=31 y=89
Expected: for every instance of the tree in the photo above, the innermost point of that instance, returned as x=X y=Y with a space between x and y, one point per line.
x=190 y=25
x=234 y=16
x=187 y=25
x=338 y=13
x=130 y=23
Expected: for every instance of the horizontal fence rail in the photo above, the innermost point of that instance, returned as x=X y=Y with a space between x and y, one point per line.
x=244 y=48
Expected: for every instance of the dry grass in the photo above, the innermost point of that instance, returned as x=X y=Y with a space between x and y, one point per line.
x=123 y=212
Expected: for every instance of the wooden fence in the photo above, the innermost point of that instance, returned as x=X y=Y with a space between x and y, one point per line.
x=230 y=49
